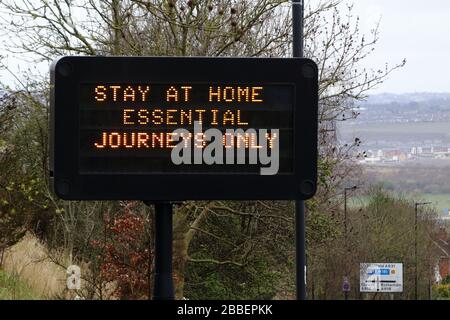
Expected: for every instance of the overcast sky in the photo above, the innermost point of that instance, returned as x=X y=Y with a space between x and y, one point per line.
x=416 y=30
x=413 y=29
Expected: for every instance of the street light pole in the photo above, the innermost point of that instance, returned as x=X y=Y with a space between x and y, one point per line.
x=345 y=233
x=297 y=28
x=345 y=210
x=297 y=52
x=416 y=205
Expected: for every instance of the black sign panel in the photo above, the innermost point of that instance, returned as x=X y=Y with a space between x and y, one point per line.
x=183 y=128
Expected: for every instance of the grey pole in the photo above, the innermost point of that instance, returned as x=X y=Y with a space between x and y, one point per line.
x=416 y=205
x=345 y=215
x=297 y=50
x=345 y=232
x=345 y=210
x=297 y=27
x=163 y=285
x=415 y=251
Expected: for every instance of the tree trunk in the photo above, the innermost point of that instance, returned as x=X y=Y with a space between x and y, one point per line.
x=183 y=233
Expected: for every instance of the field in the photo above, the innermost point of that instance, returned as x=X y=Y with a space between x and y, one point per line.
x=394 y=134
x=438 y=201
x=399 y=128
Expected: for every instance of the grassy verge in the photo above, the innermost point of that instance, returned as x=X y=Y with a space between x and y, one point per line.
x=439 y=201
x=13 y=288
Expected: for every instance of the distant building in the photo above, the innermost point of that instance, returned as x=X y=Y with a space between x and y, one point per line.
x=371 y=160
x=395 y=155
x=441 y=150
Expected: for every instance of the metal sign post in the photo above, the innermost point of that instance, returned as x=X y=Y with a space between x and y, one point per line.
x=162 y=129
x=163 y=281
x=297 y=49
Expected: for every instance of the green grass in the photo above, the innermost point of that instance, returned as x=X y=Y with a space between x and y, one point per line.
x=439 y=201
x=12 y=288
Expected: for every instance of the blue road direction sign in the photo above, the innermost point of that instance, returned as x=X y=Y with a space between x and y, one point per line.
x=381 y=277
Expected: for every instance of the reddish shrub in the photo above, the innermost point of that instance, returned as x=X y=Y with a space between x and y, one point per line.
x=127 y=257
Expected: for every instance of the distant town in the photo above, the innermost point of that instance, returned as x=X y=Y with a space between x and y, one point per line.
x=386 y=156
x=397 y=128
x=405 y=139
x=404 y=108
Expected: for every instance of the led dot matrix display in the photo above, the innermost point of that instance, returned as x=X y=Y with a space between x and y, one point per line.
x=113 y=123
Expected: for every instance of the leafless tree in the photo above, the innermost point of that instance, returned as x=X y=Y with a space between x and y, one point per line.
x=44 y=29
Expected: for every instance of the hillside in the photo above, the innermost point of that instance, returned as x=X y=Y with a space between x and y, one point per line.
x=405 y=120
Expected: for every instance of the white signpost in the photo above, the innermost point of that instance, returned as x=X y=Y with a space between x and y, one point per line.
x=381 y=277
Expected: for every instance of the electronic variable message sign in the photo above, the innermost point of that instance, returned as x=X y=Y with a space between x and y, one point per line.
x=152 y=128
